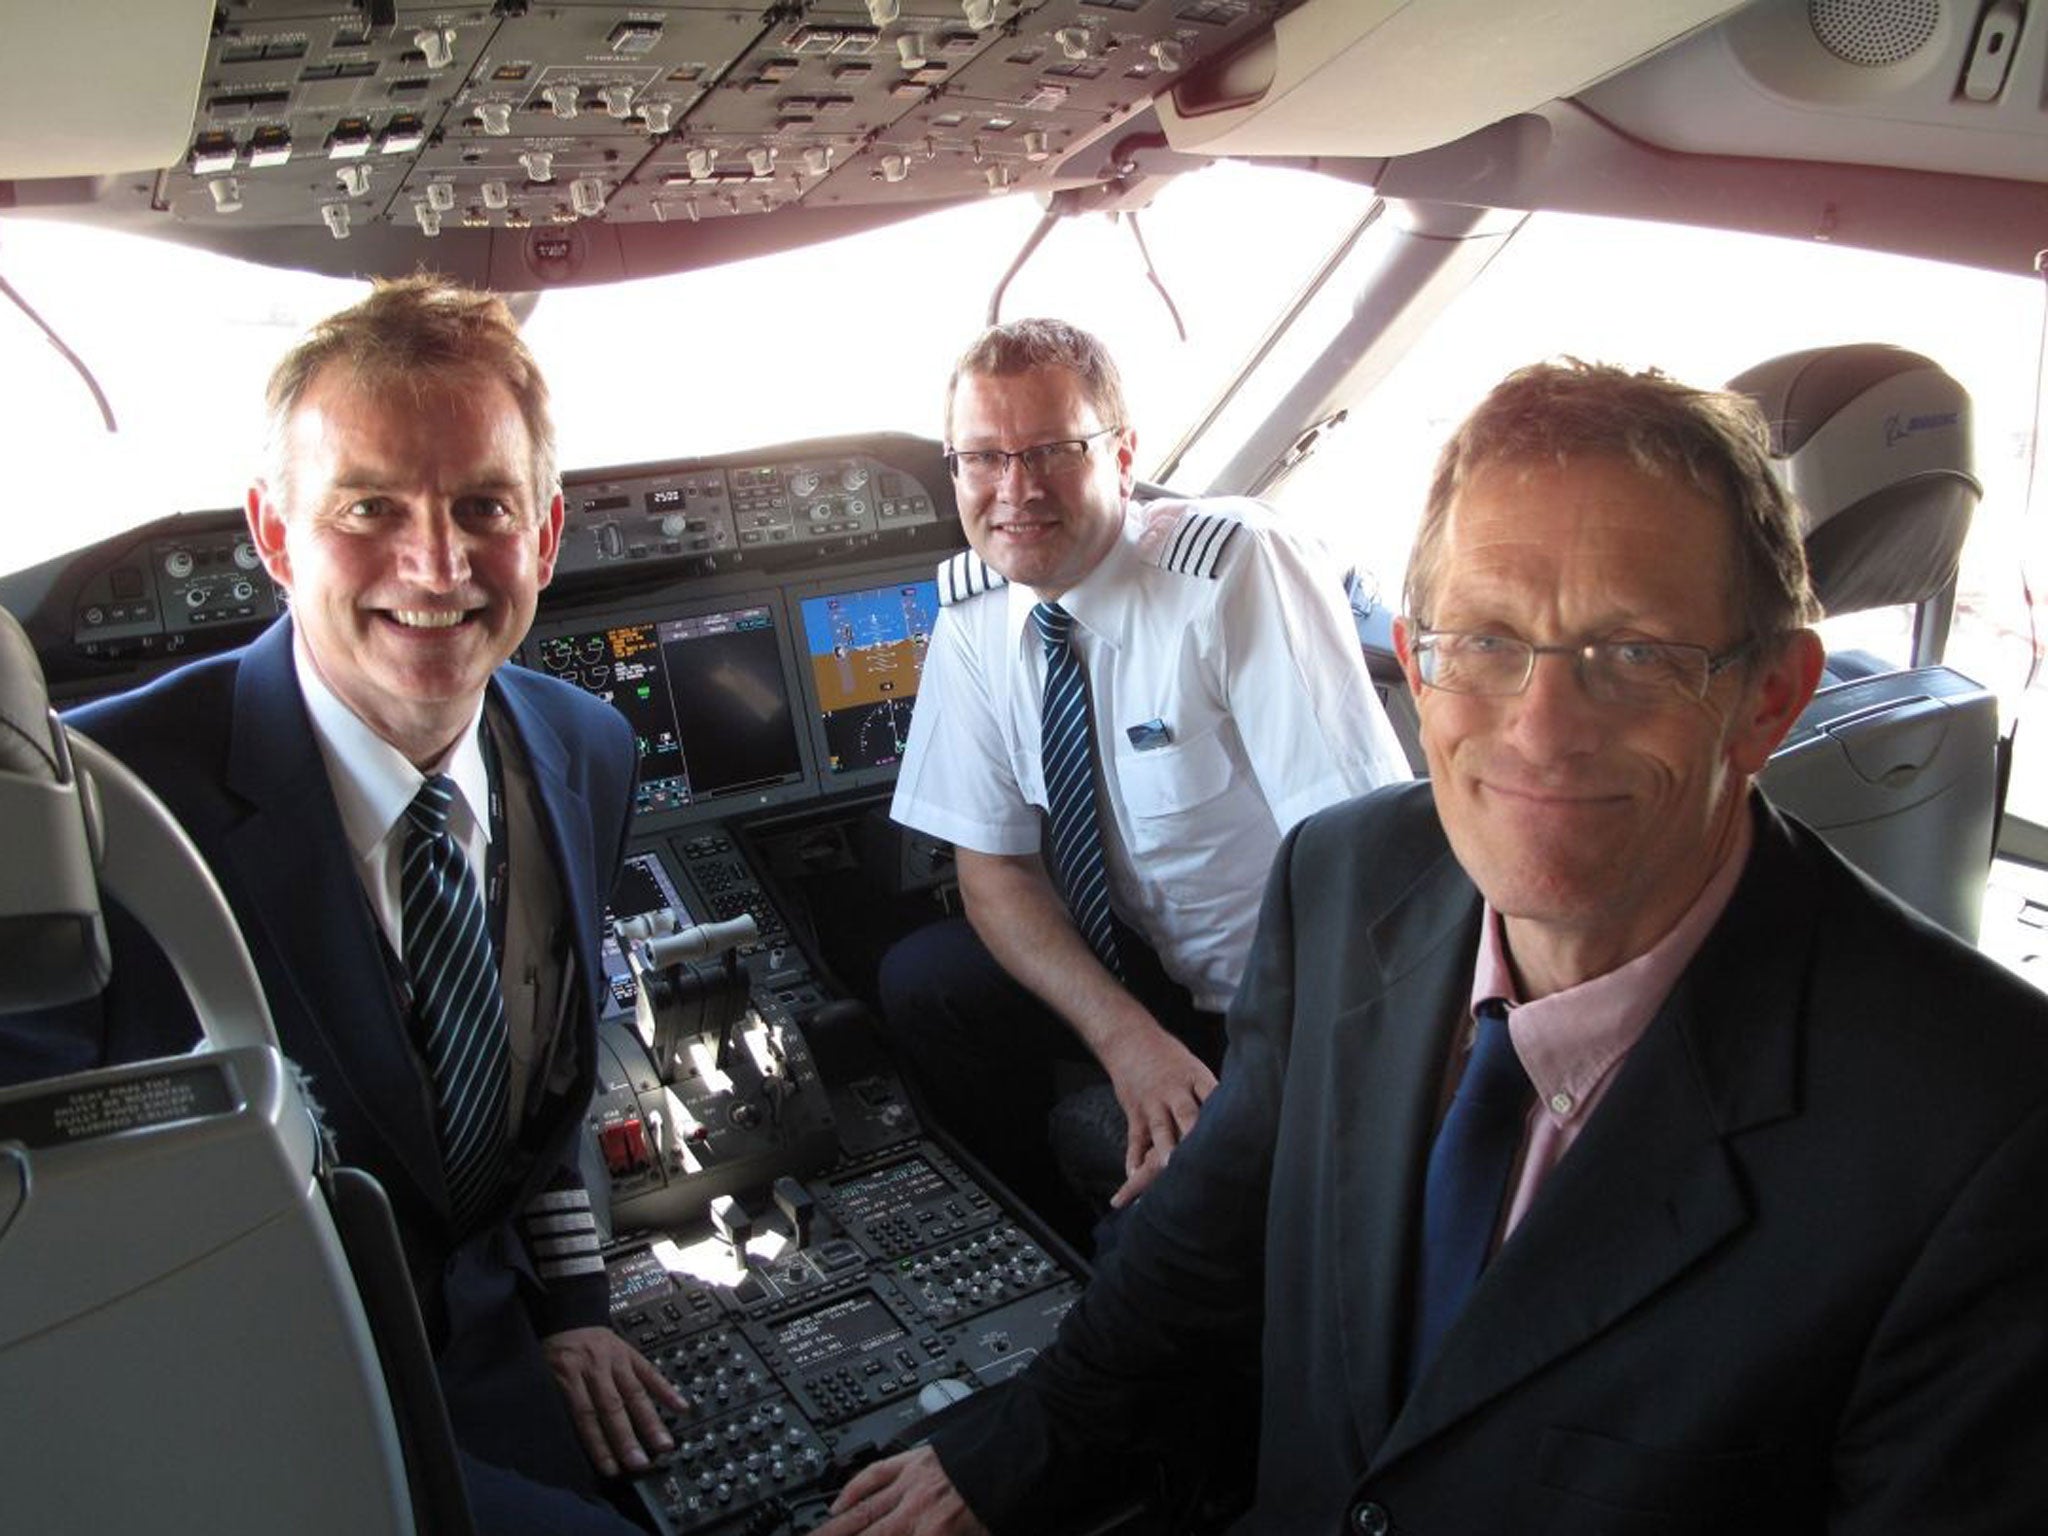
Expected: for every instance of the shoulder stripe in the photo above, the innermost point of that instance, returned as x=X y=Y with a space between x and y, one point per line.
x=1198 y=544
x=966 y=575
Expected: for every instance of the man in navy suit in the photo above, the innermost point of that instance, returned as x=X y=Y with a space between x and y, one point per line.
x=1751 y=1158
x=410 y=507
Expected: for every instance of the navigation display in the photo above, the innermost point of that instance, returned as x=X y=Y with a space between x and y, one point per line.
x=866 y=649
x=704 y=694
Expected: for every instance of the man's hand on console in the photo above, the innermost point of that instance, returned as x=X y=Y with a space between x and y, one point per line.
x=613 y=1394
x=907 y=1495
x=1161 y=1085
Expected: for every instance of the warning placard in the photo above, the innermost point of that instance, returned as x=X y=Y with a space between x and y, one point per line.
x=89 y=1111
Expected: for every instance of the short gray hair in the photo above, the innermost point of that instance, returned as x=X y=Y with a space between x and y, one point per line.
x=1716 y=442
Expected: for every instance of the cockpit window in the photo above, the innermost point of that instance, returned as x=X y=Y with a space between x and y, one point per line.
x=1704 y=305
x=850 y=336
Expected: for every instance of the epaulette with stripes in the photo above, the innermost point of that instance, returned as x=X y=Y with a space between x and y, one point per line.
x=1197 y=544
x=967 y=575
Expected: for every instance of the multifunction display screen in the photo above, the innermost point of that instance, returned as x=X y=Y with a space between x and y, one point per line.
x=704 y=694
x=866 y=650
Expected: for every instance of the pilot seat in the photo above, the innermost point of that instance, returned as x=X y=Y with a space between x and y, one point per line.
x=204 y=1326
x=1898 y=768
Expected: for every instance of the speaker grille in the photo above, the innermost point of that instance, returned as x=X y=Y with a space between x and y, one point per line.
x=1873 y=33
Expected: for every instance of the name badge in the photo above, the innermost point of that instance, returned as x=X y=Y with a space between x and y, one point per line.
x=1149 y=736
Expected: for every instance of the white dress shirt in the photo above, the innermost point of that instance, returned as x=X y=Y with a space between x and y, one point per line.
x=373 y=785
x=1226 y=709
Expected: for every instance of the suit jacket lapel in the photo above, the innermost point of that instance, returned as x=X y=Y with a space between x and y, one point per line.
x=1649 y=1189
x=329 y=988
x=1390 y=1054
x=565 y=820
x=564 y=813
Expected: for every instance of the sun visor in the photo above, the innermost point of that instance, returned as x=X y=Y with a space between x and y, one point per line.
x=144 y=64
x=1366 y=78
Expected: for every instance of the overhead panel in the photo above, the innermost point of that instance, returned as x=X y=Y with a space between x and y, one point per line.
x=393 y=126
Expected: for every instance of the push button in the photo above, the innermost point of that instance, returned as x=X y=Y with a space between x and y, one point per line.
x=1370 y=1519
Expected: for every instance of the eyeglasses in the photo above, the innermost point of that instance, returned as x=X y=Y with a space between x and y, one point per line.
x=1042 y=461
x=1639 y=673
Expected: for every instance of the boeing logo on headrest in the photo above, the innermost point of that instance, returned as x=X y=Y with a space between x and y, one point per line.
x=1898 y=428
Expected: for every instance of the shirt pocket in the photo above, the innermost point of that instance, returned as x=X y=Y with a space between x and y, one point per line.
x=1164 y=788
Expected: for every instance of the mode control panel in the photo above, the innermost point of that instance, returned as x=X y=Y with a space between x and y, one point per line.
x=764 y=512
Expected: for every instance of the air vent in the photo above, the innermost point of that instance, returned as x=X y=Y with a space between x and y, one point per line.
x=1874 y=33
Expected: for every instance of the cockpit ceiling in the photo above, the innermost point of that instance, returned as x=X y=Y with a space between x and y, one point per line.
x=530 y=146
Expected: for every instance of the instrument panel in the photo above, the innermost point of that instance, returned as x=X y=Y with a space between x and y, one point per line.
x=747 y=523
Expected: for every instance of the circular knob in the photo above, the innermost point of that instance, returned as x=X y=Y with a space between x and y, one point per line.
x=196 y=597
x=241 y=591
x=179 y=563
x=672 y=526
x=246 y=556
x=802 y=482
x=854 y=476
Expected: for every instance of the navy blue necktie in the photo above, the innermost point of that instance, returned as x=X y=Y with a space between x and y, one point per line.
x=1067 y=747
x=1467 y=1183
x=457 y=998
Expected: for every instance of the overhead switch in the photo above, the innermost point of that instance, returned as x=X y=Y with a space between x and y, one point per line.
x=635 y=37
x=227 y=195
x=564 y=99
x=437 y=44
x=269 y=146
x=496 y=116
x=354 y=179
x=350 y=139
x=403 y=135
x=657 y=115
x=212 y=153
x=336 y=215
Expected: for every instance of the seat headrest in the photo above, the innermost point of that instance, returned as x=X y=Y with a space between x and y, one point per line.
x=1874 y=442
x=53 y=944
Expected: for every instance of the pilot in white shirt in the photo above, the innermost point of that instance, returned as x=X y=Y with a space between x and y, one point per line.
x=1229 y=700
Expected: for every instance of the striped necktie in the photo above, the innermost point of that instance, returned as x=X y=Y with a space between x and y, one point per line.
x=1067 y=746
x=1467 y=1182
x=457 y=999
